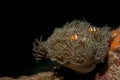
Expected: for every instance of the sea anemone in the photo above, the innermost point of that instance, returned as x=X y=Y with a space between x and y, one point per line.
x=78 y=46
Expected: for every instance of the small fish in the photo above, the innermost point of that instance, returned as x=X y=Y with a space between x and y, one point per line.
x=93 y=29
x=74 y=37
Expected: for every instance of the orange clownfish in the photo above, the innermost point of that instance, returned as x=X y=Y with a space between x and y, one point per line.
x=74 y=37
x=93 y=29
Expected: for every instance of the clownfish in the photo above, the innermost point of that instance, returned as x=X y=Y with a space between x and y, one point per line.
x=93 y=29
x=74 y=37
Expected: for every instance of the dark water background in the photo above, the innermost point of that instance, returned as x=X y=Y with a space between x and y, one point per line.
x=20 y=30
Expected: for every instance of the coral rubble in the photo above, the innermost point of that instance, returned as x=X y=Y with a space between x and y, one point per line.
x=40 y=76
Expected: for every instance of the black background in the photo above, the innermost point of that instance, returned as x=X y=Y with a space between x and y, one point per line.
x=21 y=27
